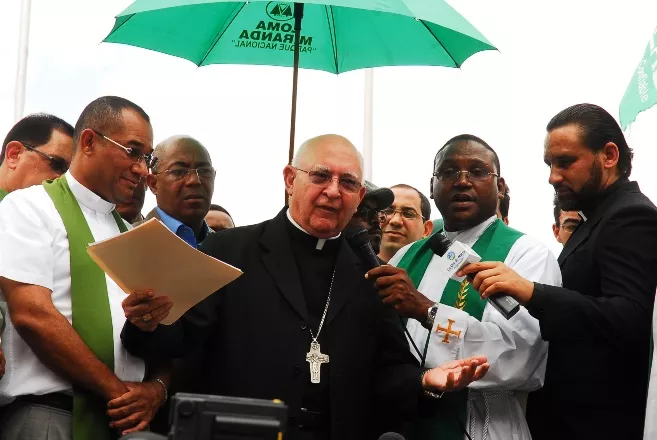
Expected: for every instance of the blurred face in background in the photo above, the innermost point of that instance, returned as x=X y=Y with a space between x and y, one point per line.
x=568 y=221
x=218 y=220
x=403 y=222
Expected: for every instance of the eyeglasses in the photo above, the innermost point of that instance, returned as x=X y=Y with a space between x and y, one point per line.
x=204 y=173
x=370 y=215
x=569 y=226
x=473 y=175
x=133 y=153
x=325 y=177
x=406 y=213
x=57 y=164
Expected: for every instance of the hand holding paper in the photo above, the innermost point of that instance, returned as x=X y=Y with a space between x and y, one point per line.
x=164 y=275
x=145 y=310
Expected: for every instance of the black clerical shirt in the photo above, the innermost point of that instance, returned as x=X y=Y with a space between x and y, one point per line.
x=315 y=268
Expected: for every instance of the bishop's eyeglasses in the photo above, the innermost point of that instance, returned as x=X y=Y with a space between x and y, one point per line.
x=325 y=177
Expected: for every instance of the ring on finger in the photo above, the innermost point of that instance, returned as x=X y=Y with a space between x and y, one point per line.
x=147 y=317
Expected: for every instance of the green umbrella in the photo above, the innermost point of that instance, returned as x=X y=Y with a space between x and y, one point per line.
x=331 y=35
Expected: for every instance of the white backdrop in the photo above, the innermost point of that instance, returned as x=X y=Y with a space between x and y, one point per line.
x=552 y=54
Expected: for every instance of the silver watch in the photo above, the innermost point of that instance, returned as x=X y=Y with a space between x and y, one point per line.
x=431 y=316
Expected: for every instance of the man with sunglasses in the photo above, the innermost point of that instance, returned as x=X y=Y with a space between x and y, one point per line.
x=302 y=324
x=450 y=320
x=368 y=214
x=405 y=221
x=182 y=180
x=37 y=148
x=69 y=375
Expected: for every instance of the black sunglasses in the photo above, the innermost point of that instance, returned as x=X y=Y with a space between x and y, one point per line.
x=370 y=215
x=57 y=164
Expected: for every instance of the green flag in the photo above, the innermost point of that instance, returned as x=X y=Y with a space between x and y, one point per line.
x=641 y=94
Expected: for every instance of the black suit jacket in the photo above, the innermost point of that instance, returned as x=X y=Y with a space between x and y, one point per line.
x=598 y=325
x=257 y=335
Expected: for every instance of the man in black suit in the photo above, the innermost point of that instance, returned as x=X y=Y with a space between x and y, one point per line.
x=303 y=297
x=598 y=324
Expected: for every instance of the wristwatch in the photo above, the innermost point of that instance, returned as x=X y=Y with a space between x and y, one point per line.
x=431 y=316
x=427 y=392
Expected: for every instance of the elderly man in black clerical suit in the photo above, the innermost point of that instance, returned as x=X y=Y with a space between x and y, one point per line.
x=598 y=324
x=303 y=296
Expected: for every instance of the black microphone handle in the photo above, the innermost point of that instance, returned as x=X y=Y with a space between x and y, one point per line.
x=503 y=303
x=369 y=257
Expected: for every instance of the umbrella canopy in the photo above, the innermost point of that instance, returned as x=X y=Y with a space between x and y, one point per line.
x=337 y=35
x=330 y=35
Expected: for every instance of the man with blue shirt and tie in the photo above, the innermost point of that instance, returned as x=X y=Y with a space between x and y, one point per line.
x=183 y=182
x=182 y=179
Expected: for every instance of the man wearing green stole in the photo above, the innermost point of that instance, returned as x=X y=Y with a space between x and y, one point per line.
x=37 y=148
x=448 y=320
x=68 y=375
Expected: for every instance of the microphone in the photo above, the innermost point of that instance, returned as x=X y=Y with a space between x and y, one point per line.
x=358 y=239
x=391 y=436
x=459 y=255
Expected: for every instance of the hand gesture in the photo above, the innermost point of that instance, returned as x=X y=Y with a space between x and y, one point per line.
x=134 y=410
x=496 y=277
x=456 y=375
x=145 y=311
x=397 y=290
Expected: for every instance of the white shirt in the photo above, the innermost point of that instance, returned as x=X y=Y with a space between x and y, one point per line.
x=514 y=347
x=34 y=249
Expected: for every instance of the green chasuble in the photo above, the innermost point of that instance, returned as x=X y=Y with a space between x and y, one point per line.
x=448 y=422
x=3 y=194
x=92 y=317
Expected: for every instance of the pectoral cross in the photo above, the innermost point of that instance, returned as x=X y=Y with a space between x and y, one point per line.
x=448 y=331
x=315 y=358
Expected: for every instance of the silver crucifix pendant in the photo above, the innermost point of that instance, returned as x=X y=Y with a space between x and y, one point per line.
x=315 y=358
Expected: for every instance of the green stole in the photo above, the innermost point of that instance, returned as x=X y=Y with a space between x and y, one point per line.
x=3 y=194
x=92 y=318
x=448 y=422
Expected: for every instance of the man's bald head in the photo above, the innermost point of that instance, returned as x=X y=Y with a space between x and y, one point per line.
x=172 y=144
x=310 y=148
x=183 y=179
x=324 y=184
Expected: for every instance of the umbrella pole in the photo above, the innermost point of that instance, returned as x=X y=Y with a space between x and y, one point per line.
x=298 y=15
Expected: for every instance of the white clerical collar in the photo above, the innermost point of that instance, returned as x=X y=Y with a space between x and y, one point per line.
x=471 y=234
x=87 y=197
x=320 y=241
